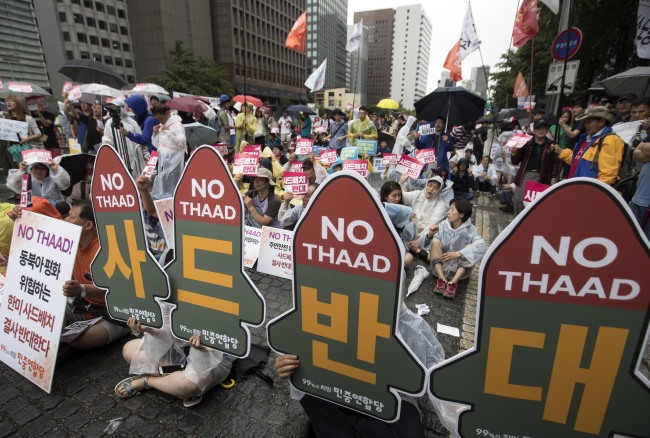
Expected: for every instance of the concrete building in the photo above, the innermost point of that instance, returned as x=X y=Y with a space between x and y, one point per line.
x=156 y=25
x=85 y=29
x=336 y=98
x=248 y=40
x=326 y=38
x=357 y=71
x=379 y=24
x=444 y=80
x=410 y=61
x=479 y=78
x=21 y=53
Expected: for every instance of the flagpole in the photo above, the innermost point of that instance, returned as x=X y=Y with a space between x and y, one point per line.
x=356 y=79
x=530 y=91
x=489 y=98
x=566 y=60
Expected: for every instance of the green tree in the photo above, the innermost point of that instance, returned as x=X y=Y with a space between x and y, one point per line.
x=193 y=74
x=608 y=37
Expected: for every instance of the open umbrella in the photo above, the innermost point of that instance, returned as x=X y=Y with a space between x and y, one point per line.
x=89 y=92
x=509 y=113
x=87 y=71
x=146 y=88
x=21 y=89
x=198 y=134
x=633 y=81
x=300 y=109
x=187 y=104
x=387 y=104
x=249 y=99
x=456 y=104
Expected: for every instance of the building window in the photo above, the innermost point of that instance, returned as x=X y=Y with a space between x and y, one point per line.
x=97 y=57
x=94 y=40
x=108 y=60
x=105 y=42
x=84 y=55
x=88 y=3
x=66 y=36
x=118 y=62
x=69 y=54
x=110 y=10
x=102 y=24
x=78 y=18
x=75 y=2
x=91 y=21
x=126 y=47
x=99 y=6
x=123 y=30
x=112 y=27
x=116 y=45
x=121 y=13
x=130 y=79
x=81 y=37
x=62 y=17
x=128 y=63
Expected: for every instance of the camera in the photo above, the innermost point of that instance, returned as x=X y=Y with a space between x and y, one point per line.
x=114 y=112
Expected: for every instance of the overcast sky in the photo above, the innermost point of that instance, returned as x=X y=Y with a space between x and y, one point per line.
x=493 y=20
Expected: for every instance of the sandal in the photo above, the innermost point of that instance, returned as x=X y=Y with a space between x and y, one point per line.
x=126 y=384
x=192 y=401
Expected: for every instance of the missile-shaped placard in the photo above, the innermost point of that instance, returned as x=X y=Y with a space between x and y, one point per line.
x=348 y=267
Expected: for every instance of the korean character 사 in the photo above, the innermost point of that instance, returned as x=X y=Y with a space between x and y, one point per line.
x=46 y=319
x=52 y=268
x=10 y=327
x=30 y=311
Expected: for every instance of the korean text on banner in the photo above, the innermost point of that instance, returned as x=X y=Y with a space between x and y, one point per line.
x=349 y=153
x=427 y=156
x=165 y=211
x=328 y=156
x=42 y=257
x=246 y=164
x=304 y=146
x=518 y=140
x=359 y=166
x=295 y=182
x=151 y=164
x=390 y=159
x=32 y=156
x=410 y=166
x=276 y=252
x=11 y=130
x=367 y=147
x=252 y=237
x=426 y=129
x=532 y=190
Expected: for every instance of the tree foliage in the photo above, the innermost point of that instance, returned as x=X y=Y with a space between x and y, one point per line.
x=193 y=74
x=608 y=31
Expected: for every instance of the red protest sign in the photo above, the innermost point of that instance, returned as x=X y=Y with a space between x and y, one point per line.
x=410 y=166
x=222 y=148
x=328 y=156
x=532 y=190
x=390 y=159
x=295 y=182
x=427 y=156
x=151 y=164
x=359 y=166
x=245 y=163
x=518 y=140
x=255 y=149
x=304 y=145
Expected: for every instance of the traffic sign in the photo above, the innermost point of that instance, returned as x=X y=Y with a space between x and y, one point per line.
x=554 y=78
x=559 y=46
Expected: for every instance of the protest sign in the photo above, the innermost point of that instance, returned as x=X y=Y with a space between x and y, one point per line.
x=532 y=190
x=26 y=191
x=2 y=287
x=76 y=329
x=296 y=166
x=252 y=237
x=41 y=259
x=12 y=130
x=74 y=93
x=349 y=153
x=518 y=140
x=222 y=148
x=390 y=159
x=366 y=147
x=347 y=282
x=426 y=129
x=246 y=164
x=303 y=146
x=255 y=150
x=410 y=166
x=359 y=166
x=295 y=182
x=562 y=323
x=276 y=254
x=328 y=156
x=74 y=147
x=213 y=295
x=150 y=167
x=124 y=264
x=427 y=156
x=35 y=102
x=31 y=156
x=379 y=164
x=66 y=87
x=165 y=212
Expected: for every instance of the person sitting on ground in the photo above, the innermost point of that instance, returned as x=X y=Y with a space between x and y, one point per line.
x=315 y=172
x=456 y=246
x=261 y=202
x=204 y=368
x=403 y=219
x=383 y=148
x=288 y=214
x=463 y=180
x=486 y=176
x=279 y=155
x=47 y=180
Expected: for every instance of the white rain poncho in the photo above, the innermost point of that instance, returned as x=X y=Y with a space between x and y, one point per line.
x=428 y=211
x=49 y=187
x=478 y=170
x=170 y=143
x=465 y=239
x=136 y=158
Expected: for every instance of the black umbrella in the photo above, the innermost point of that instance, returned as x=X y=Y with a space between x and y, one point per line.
x=88 y=71
x=456 y=104
x=300 y=109
x=509 y=113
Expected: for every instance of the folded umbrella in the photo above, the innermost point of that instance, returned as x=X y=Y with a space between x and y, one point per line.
x=456 y=104
x=198 y=134
x=187 y=104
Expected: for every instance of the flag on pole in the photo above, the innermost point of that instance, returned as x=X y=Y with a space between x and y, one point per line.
x=643 y=30
x=553 y=5
x=468 y=38
x=521 y=89
x=316 y=80
x=526 y=26
x=355 y=39
x=297 y=38
x=452 y=63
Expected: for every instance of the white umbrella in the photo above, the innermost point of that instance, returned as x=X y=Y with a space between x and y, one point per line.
x=627 y=131
x=146 y=88
x=21 y=89
x=88 y=92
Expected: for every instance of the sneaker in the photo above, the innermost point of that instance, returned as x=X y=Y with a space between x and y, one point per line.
x=450 y=291
x=441 y=286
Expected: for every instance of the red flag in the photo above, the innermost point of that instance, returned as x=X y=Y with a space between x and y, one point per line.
x=452 y=63
x=521 y=89
x=525 y=23
x=297 y=38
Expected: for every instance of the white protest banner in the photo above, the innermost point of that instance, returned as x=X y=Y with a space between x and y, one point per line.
x=410 y=166
x=36 y=102
x=222 y=148
x=32 y=156
x=254 y=149
x=349 y=153
x=643 y=30
x=276 y=252
x=303 y=146
x=41 y=259
x=379 y=164
x=359 y=166
x=165 y=211
x=328 y=156
x=390 y=159
x=74 y=93
x=427 y=156
x=532 y=190
x=20 y=87
x=66 y=87
x=296 y=166
x=252 y=237
x=246 y=164
x=11 y=130
x=150 y=167
x=295 y=182
x=426 y=129
x=518 y=140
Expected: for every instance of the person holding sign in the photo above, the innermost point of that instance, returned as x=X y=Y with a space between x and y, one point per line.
x=262 y=203
x=47 y=180
x=362 y=128
x=290 y=216
x=16 y=110
x=456 y=246
x=245 y=127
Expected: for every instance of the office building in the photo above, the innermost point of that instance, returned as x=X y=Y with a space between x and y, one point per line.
x=326 y=39
x=336 y=98
x=21 y=53
x=156 y=25
x=479 y=79
x=357 y=70
x=444 y=80
x=379 y=24
x=410 y=62
x=85 y=29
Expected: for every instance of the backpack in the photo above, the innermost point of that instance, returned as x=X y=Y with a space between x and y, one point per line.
x=627 y=177
x=214 y=123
